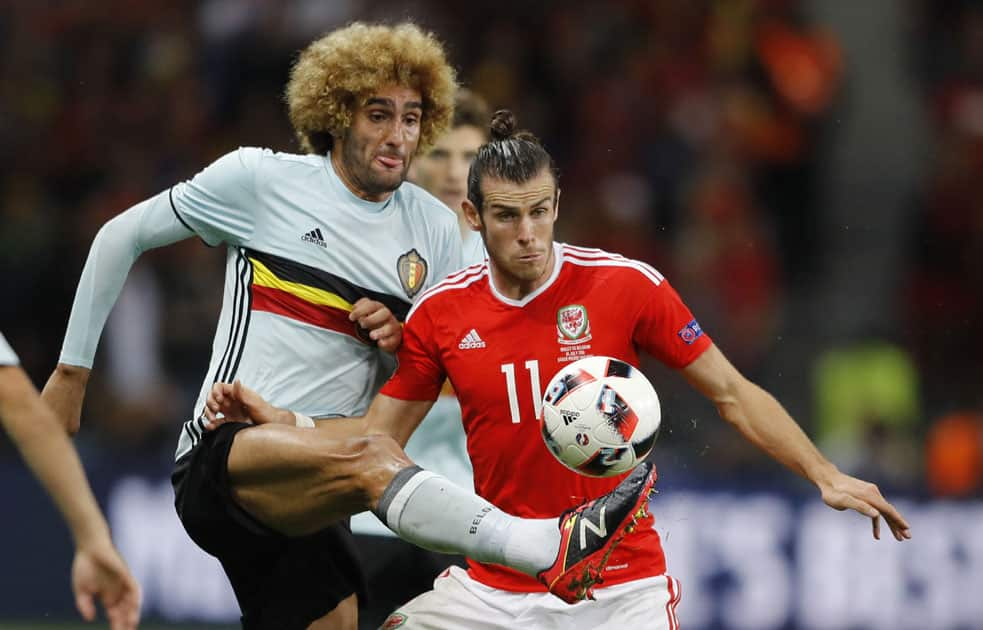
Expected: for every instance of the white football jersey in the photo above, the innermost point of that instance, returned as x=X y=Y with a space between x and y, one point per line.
x=302 y=249
x=473 y=249
x=7 y=355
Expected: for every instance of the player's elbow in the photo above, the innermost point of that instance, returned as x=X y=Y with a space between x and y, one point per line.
x=112 y=227
x=120 y=233
x=729 y=401
x=729 y=412
x=745 y=407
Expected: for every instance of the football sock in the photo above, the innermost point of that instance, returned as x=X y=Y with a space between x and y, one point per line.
x=428 y=510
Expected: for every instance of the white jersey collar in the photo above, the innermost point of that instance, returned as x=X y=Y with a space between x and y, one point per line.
x=557 y=256
x=374 y=208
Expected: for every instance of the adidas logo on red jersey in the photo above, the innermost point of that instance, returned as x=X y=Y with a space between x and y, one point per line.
x=471 y=341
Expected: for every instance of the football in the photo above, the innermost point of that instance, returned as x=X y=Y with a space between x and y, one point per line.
x=600 y=416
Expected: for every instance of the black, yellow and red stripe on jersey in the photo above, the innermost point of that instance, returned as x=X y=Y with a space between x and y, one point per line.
x=311 y=295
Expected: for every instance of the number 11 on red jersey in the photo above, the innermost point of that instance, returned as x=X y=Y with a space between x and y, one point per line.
x=532 y=366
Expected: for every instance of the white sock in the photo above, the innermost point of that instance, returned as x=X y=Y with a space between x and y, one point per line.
x=429 y=511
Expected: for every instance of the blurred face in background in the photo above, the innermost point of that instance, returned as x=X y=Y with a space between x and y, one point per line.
x=443 y=171
x=375 y=152
x=516 y=223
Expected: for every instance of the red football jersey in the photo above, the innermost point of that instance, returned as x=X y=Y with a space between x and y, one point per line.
x=500 y=353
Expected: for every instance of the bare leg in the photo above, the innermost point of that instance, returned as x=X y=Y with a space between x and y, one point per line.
x=299 y=481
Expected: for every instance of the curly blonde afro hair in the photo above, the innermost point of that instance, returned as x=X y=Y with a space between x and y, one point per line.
x=337 y=73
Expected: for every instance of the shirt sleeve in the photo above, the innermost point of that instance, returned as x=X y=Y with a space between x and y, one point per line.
x=449 y=257
x=419 y=373
x=473 y=250
x=665 y=327
x=7 y=355
x=117 y=246
x=219 y=204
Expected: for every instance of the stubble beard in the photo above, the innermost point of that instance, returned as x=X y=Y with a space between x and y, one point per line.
x=363 y=175
x=521 y=274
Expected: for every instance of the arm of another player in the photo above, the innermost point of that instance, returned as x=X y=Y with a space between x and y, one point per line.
x=386 y=415
x=97 y=569
x=396 y=417
x=234 y=402
x=763 y=421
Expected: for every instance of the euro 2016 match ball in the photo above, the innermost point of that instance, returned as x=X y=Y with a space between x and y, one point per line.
x=601 y=416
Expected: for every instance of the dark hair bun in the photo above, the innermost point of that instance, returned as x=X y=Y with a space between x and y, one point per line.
x=502 y=124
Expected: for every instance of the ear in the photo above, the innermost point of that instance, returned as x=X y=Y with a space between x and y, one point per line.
x=471 y=214
x=556 y=205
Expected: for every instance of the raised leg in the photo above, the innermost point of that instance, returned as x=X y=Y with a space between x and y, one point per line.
x=298 y=481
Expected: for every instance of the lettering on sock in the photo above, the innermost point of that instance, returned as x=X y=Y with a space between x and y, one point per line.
x=477 y=519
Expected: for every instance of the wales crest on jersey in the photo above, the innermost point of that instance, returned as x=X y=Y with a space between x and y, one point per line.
x=412 y=270
x=395 y=620
x=572 y=324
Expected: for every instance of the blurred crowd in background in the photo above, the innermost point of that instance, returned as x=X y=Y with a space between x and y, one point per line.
x=825 y=226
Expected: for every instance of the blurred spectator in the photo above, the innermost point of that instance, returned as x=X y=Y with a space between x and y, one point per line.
x=943 y=297
x=867 y=411
x=726 y=258
x=954 y=455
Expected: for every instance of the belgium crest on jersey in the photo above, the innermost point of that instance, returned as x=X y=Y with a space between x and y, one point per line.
x=572 y=324
x=412 y=270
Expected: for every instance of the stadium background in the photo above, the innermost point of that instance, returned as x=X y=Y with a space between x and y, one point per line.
x=808 y=174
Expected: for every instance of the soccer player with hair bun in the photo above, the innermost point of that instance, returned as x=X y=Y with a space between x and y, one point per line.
x=498 y=330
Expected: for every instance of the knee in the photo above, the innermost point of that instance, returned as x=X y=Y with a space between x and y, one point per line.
x=380 y=459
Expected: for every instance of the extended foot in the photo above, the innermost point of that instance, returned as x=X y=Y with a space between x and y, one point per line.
x=590 y=532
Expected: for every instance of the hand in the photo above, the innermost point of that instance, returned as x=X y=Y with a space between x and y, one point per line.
x=238 y=403
x=844 y=492
x=99 y=571
x=64 y=393
x=382 y=326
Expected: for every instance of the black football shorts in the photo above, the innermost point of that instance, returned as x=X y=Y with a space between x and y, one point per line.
x=280 y=582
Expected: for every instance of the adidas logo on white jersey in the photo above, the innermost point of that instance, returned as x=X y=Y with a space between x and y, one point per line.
x=471 y=341
x=314 y=236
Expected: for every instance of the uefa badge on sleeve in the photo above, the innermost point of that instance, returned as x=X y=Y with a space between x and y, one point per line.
x=690 y=332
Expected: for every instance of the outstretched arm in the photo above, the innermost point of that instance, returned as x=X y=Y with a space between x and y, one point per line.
x=97 y=571
x=149 y=224
x=764 y=422
x=395 y=417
